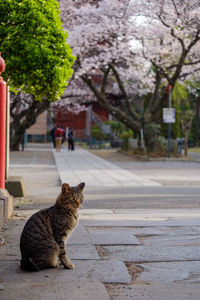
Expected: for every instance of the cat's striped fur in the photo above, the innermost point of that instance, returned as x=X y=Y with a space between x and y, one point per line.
x=45 y=233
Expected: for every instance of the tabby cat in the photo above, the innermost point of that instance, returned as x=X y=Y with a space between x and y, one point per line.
x=45 y=233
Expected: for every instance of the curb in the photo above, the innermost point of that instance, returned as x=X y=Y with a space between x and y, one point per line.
x=6 y=206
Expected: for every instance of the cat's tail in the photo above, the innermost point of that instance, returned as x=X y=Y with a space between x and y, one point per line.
x=28 y=265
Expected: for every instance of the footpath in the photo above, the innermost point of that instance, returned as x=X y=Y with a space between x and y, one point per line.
x=118 y=253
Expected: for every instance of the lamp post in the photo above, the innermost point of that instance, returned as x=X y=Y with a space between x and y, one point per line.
x=3 y=92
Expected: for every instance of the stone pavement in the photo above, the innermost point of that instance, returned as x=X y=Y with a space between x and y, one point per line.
x=84 y=166
x=118 y=253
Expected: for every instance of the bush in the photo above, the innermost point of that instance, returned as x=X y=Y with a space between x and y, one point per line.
x=96 y=132
x=125 y=135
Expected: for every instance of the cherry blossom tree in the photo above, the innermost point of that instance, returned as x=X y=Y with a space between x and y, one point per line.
x=135 y=49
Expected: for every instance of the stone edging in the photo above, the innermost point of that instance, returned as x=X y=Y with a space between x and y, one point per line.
x=6 y=206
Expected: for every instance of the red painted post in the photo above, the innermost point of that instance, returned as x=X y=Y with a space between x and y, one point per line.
x=2 y=125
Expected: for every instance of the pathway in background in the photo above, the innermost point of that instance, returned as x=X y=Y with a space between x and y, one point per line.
x=36 y=164
x=81 y=165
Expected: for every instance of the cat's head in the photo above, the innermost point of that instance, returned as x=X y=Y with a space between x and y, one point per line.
x=71 y=197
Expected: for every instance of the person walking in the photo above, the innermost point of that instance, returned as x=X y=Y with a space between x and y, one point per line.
x=70 y=139
x=58 y=136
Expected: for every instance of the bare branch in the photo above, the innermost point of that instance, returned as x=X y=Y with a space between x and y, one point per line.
x=175 y=7
x=122 y=89
x=184 y=75
x=196 y=39
x=118 y=113
x=105 y=79
x=178 y=38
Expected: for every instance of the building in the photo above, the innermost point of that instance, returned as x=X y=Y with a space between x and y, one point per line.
x=81 y=123
x=38 y=132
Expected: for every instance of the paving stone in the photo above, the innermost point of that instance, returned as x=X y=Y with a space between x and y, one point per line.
x=151 y=231
x=103 y=271
x=184 y=240
x=169 y=231
x=82 y=165
x=95 y=211
x=11 y=234
x=141 y=217
x=157 y=291
x=135 y=223
x=171 y=271
x=111 y=271
x=160 y=213
x=51 y=284
x=104 y=238
x=152 y=253
x=78 y=231
x=82 y=252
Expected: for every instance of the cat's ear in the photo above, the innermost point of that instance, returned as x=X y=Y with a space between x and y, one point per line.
x=65 y=188
x=81 y=186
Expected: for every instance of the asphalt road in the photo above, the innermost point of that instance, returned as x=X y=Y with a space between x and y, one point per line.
x=180 y=182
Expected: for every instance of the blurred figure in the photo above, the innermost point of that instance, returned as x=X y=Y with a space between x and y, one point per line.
x=70 y=139
x=58 y=136
x=63 y=136
x=53 y=138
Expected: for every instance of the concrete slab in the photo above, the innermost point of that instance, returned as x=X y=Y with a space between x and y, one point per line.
x=149 y=214
x=159 y=217
x=104 y=238
x=10 y=251
x=103 y=271
x=152 y=253
x=171 y=271
x=82 y=252
x=133 y=223
x=94 y=211
x=160 y=213
x=52 y=285
x=156 y=291
x=143 y=232
x=11 y=234
x=81 y=165
x=161 y=241
x=79 y=231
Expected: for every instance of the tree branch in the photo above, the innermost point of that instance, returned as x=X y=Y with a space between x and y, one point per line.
x=125 y=96
x=105 y=79
x=118 y=113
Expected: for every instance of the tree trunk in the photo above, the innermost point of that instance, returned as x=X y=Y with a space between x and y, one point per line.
x=185 y=144
x=186 y=127
x=24 y=120
x=196 y=128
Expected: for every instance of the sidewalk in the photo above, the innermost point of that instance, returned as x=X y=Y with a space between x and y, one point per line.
x=118 y=253
x=81 y=165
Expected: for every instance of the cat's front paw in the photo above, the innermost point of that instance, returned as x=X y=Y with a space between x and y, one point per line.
x=69 y=266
